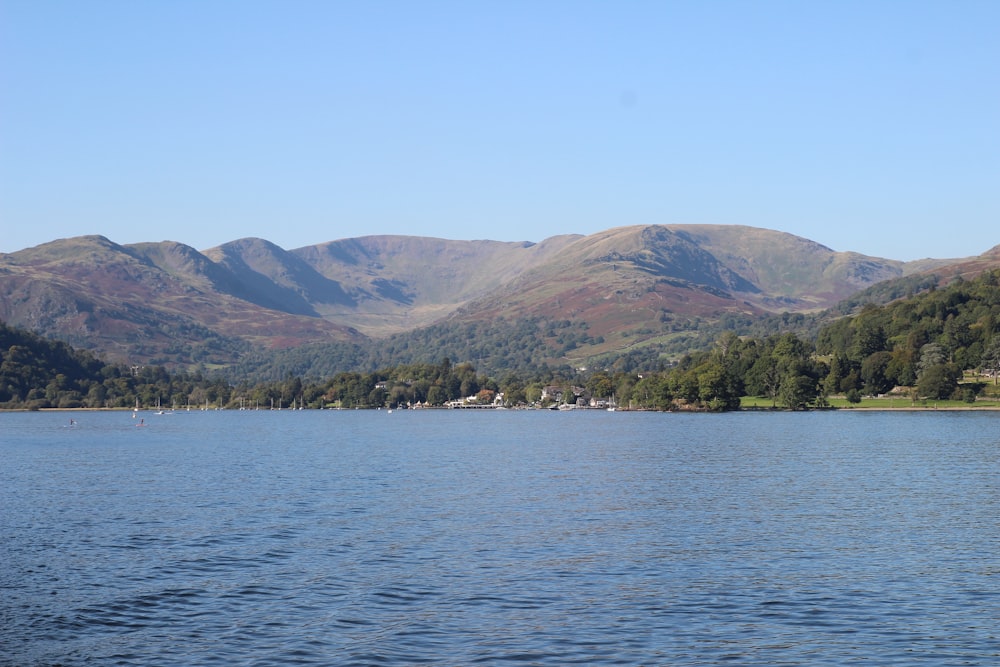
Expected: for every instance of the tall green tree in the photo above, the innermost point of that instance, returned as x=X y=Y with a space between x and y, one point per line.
x=939 y=381
x=990 y=361
x=875 y=373
x=931 y=355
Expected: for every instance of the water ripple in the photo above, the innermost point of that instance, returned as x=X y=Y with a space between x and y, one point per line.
x=621 y=539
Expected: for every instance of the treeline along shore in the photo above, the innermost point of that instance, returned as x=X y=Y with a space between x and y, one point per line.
x=937 y=349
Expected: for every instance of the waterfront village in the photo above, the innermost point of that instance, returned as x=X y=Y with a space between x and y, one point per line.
x=554 y=397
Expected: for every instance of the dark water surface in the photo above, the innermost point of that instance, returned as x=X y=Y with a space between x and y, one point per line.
x=535 y=538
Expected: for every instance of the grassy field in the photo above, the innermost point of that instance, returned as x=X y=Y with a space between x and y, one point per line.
x=989 y=398
x=894 y=403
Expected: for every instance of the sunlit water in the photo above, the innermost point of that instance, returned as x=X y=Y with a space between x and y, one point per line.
x=536 y=538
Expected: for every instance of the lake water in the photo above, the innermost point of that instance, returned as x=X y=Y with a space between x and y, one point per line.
x=500 y=537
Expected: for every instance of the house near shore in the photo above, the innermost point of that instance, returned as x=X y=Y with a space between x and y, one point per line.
x=573 y=396
x=552 y=393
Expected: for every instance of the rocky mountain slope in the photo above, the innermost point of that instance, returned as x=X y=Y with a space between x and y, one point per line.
x=168 y=303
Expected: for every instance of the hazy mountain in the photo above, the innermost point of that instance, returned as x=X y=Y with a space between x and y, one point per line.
x=151 y=302
x=262 y=273
x=169 y=303
x=396 y=283
x=792 y=273
x=640 y=284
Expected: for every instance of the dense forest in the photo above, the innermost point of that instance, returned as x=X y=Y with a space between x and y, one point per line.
x=495 y=347
x=924 y=343
x=36 y=372
x=503 y=345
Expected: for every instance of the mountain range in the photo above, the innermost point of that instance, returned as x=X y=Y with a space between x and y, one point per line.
x=168 y=303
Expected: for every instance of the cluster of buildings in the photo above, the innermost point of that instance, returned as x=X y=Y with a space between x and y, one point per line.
x=576 y=396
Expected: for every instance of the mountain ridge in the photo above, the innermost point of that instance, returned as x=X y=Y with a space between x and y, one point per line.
x=166 y=302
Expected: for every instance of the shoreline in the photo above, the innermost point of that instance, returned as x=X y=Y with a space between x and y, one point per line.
x=871 y=408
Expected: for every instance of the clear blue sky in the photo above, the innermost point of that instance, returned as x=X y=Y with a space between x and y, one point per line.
x=868 y=126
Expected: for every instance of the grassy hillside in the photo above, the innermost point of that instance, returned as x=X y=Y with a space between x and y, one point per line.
x=399 y=283
x=649 y=293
